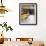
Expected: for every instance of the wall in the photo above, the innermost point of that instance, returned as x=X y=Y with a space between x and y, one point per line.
x=38 y=32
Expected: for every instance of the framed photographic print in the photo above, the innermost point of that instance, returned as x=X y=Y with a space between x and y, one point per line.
x=28 y=13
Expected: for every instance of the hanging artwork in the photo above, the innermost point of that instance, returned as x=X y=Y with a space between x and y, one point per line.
x=28 y=13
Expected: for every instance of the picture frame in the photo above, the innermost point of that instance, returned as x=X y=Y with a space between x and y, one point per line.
x=28 y=13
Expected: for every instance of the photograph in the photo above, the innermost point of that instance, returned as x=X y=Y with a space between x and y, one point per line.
x=28 y=13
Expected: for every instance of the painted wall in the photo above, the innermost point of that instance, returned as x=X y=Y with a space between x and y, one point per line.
x=38 y=32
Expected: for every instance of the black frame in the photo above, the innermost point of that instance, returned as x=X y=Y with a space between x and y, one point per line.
x=36 y=13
